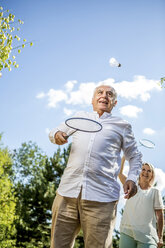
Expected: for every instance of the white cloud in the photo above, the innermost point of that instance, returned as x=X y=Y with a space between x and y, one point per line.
x=130 y=111
x=139 y=88
x=83 y=95
x=148 y=131
x=108 y=81
x=69 y=85
x=55 y=96
x=68 y=112
x=40 y=95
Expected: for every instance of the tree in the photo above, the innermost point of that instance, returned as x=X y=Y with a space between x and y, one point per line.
x=79 y=242
x=162 y=80
x=7 y=201
x=9 y=39
x=116 y=239
x=36 y=180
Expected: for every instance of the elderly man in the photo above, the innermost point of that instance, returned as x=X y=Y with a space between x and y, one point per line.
x=88 y=192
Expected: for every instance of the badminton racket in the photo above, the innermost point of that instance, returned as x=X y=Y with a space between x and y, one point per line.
x=147 y=143
x=83 y=125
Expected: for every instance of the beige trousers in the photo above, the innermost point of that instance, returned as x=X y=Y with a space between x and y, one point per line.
x=97 y=220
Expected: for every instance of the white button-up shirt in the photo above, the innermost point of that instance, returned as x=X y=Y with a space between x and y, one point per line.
x=94 y=160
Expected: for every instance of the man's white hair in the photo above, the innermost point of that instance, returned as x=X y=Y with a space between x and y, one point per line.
x=113 y=90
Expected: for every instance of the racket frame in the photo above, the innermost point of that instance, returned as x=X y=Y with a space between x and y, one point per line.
x=151 y=142
x=78 y=129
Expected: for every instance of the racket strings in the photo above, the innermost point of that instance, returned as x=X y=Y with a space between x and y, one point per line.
x=147 y=143
x=83 y=124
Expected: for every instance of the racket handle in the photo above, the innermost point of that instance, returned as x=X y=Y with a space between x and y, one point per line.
x=66 y=137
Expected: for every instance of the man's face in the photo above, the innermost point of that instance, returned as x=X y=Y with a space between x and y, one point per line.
x=103 y=99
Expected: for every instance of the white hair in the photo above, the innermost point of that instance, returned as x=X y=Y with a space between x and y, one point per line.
x=114 y=91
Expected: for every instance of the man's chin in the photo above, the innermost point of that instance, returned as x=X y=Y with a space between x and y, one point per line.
x=104 y=109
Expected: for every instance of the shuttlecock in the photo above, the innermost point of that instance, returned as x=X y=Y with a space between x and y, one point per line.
x=114 y=63
x=0 y=74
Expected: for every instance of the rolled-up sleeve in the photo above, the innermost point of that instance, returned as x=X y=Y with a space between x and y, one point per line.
x=63 y=128
x=52 y=134
x=132 y=154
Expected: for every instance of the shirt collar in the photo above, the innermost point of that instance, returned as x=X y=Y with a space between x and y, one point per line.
x=104 y=115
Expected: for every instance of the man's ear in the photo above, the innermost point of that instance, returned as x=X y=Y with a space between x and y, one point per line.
x=115 y=102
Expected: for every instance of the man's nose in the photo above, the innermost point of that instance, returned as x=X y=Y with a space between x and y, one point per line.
x=104 y=94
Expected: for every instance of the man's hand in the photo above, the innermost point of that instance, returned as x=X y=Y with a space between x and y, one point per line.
x=60 y=138
x=130 y=189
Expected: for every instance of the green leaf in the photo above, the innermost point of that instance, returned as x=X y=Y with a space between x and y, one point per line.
x=7 y=39
x=9 y=62
x=7 y=201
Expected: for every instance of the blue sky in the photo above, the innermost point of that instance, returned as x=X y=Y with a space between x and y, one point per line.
x=73 y=42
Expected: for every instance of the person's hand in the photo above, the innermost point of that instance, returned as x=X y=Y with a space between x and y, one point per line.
x=60 y=138
x=130 y=189
x=160 y=243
